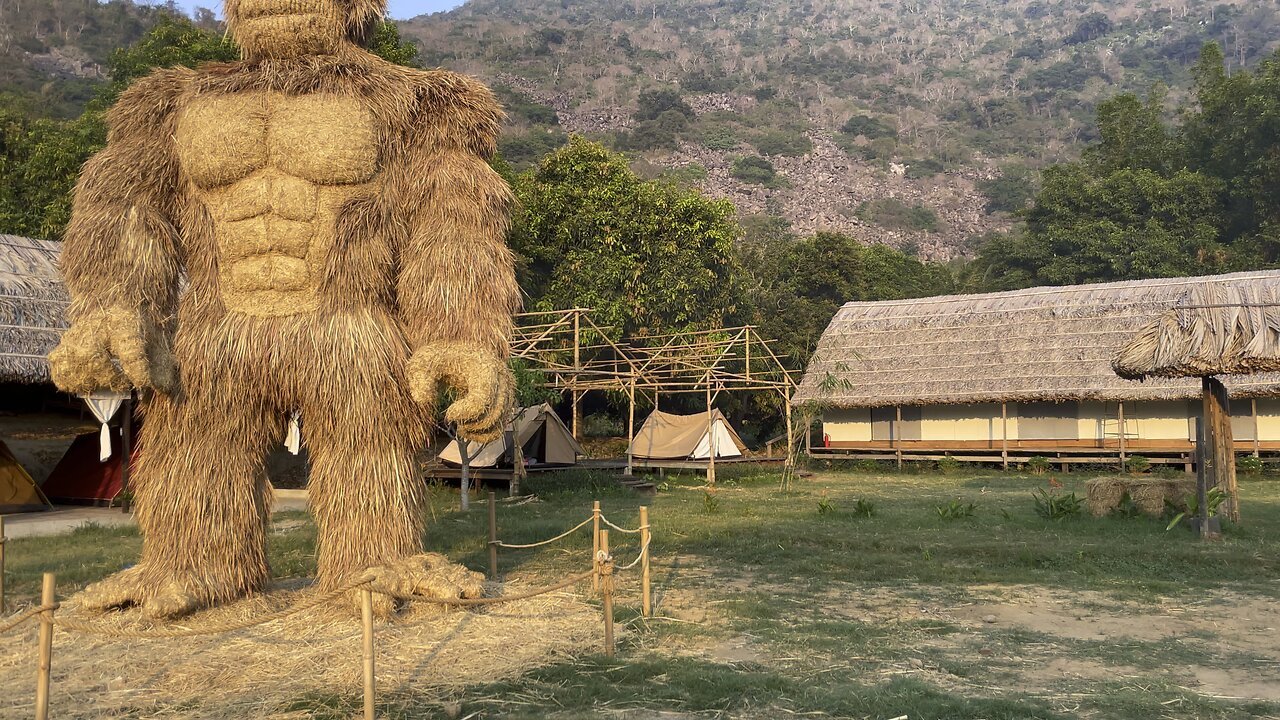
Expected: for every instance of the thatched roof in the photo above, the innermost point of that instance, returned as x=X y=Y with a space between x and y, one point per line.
x=1215 y=329
x=32 y=301
x=1041 y=344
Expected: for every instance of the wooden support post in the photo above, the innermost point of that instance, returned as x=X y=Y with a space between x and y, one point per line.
x=370 y=681
x=126 y=444
x=1004 y=435
x=1257 y=444
x=595 y=541
x=2 y=541
x=518 y=471
x=1124 y=460
x=896 y=435
x=646 y=537
x=606 y=586
x=493 y=536
x=48 y=601
x=631 y=422
x=711 y=440
x=1202 y=467
x=464 y=481
x=1221 y=446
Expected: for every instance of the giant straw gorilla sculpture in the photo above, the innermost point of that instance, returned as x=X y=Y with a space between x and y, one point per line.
x=339 y=238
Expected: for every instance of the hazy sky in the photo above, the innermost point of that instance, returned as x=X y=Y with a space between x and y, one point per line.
x=400 y=9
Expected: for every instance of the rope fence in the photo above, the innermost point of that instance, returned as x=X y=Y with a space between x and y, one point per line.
x=602 y=574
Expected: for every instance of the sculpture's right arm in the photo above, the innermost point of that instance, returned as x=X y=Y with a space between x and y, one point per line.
x=121 y=254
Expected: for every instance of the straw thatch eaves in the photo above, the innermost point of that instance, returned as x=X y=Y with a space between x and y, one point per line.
x=1216 y=329
x=1041 y=344
x=32 y=301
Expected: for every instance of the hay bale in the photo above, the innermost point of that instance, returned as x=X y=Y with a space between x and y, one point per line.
x=1149 y=494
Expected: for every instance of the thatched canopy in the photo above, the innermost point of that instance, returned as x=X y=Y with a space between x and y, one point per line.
x=1215 y=329
x=32 y=301
x=1041 y=344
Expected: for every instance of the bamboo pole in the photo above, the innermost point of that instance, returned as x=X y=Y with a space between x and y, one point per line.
x=1004 y=434
x=2 y=542
x=47 y=600
x=493 y=536
x=711 y=440
x=1257 y=445
x=1123 y=458
x=370 y=681
x=646 y=536
x=606 y=583
x=595 y=541
x=791 y=440
x=577 y=366
x=631 y=421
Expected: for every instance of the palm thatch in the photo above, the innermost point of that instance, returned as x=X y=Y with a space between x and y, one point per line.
x=1215 y=329
x=1040 y=344
x=32 y=304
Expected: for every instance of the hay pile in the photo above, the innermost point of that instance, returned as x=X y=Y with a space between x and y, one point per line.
x=422 y=657
x=1105 y=494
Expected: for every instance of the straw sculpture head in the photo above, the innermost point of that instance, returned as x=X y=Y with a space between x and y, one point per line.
x=339 y=237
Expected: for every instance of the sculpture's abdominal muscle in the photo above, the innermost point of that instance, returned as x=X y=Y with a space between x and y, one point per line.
x=274 y=171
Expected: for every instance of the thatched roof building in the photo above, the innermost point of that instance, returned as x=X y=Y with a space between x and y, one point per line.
x=32 y=301
x=1215 y=329
x=1035 y=345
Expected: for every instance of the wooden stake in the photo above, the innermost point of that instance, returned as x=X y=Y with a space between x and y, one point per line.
x=366 y=615
x=465 y=480
x=606 y=584
x=47 y=600
x=493 y=536
x=595 y=542
x=646 y=536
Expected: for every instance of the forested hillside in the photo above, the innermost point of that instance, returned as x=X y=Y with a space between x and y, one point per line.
x=805 y=110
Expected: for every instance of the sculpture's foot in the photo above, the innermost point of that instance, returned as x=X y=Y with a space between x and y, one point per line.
x=429 y=575
x=134 y=587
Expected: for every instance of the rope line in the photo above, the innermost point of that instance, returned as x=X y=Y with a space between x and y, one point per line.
x=606 y=521
x=644 y=549
x=93 y=629
x=17 y=619
x=561 y=536
x=472 y=602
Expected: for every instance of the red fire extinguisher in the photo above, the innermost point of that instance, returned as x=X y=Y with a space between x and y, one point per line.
x=826 y=440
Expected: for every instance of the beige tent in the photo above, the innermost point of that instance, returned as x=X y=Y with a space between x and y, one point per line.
x=685 y=437
x=543 y=439
x=18 y=492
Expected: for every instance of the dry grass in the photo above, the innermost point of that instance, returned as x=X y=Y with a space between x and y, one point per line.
x=32 y=302
x=1040 y=344
x=1149 y=494
x=422 y=656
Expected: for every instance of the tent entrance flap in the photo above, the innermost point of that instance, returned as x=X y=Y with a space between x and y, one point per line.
x=665 y=436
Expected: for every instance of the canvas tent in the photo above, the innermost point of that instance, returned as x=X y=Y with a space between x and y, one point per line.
x=665 y=436
x=80 y=478
x=541 y=435
x=18 y=492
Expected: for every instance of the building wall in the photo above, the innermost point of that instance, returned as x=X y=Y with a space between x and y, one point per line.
x=1148 y=420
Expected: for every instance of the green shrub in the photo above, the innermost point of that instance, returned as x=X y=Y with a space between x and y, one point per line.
x=868 y=127
x=1249 y=465
x=1055 y=506
x=948 y=465
x=864 y=508
x=825 y=506
x=956 y=510
x=710 y=503
x=1213 y=501
x=1038 y=465
x=719 y=137
x=1127 y=508
x=1137 y=464
x=754 y=169
x=790 y=143
x=894 y=214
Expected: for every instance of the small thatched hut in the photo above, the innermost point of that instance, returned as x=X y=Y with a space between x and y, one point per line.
x=1023 y=373
x=32 y=301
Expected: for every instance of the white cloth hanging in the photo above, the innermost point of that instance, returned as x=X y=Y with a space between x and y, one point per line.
x=104 y=405
x=293 y=439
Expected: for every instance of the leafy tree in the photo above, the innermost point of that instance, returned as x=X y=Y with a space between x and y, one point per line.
x=653 y=103
x=868 y=127
x=894 y=214
x=1010 y=191
x=754 y=169
x=386 y=43
x=648 y=256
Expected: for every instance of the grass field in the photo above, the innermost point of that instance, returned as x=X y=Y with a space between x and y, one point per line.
x=805 y=603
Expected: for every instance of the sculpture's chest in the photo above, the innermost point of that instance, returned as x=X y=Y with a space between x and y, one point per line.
x=322 y=138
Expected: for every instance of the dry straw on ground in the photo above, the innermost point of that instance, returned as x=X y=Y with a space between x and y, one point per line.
x=1149 y=494
x=423 y=657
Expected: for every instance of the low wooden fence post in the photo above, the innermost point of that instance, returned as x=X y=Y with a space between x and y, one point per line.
x=595 y=542
x=605 y=573
x=366 y=616
x=47 y=601
x=645 y=536
x=493 y=536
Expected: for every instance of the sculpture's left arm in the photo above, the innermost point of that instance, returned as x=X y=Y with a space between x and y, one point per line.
x=456 y=287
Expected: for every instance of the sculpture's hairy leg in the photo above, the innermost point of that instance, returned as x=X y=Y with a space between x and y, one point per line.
x=202 y=501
